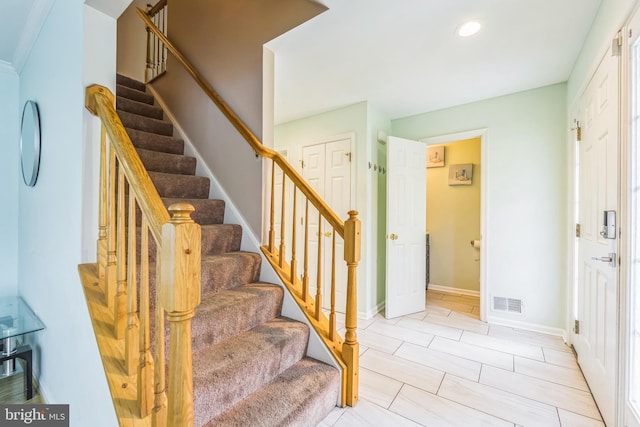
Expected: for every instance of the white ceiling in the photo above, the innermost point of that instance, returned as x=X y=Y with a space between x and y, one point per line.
x=404 y=57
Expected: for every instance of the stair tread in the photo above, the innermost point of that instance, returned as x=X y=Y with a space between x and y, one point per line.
x=232 y=311
x=155 y=142
x=177 y=186
x=226 y=373
x=137 y=107
x=302 y=395
x=144 y=123
x=130 y=82
x=135 y=94
x=158 y=161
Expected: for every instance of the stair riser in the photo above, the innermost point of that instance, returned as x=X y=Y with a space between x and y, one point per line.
x=145 y=124
x=208 y=211
x=226 y=272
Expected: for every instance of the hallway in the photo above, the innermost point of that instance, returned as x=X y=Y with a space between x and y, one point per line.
x=444 y=367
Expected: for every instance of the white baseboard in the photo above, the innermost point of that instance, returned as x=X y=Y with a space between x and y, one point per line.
x=450 y=290
x=531 y=327
x=366 y=315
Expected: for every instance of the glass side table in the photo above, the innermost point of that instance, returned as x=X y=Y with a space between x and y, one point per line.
x=16 y=320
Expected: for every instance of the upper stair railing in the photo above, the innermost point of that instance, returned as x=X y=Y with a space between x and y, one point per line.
x=156 y=50
x=126 y=191
x=345 y=237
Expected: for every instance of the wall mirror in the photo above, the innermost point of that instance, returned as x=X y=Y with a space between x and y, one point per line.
x=30 y=143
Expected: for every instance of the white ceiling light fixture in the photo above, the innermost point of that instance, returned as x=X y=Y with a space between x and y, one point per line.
x=469 y=28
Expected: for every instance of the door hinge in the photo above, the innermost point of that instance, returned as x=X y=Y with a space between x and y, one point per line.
x=576 y=327
x=616 y=45
x=577 y=230
x=348 y=155
x=302 y=164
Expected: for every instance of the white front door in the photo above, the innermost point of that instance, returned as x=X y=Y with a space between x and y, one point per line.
x=327 y=168
x=406 y=227
x=597 y=288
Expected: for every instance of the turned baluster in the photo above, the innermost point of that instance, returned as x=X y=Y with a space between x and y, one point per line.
x=351 y=347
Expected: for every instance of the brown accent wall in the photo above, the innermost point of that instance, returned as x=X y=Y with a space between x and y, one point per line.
x=224 y=40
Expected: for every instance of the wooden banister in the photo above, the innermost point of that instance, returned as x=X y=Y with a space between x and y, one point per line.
x=178 y=244
x=100 y=101
x=157 y=8
x=246 y=133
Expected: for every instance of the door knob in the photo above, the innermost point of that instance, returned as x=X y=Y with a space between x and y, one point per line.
x=327 y=234
x=393 y=236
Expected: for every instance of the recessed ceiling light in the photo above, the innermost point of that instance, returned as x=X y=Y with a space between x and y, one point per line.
x=469 y=28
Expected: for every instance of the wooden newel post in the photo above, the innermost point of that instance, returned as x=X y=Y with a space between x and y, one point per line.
x=179 y=295
x=351 y=347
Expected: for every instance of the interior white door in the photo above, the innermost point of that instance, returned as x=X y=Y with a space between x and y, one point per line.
x=597 y=287
x=406 y=226
x=327 y=168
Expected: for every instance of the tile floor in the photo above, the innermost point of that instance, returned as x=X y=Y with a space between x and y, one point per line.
x=444 y=367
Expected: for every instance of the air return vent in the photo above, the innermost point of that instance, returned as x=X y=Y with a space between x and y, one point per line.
x=509 y=305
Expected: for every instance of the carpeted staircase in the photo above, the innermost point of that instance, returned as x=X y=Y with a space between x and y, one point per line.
x=249 y=363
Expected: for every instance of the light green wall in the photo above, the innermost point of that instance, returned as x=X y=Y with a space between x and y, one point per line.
x=453 y=220
x=9 y=176
x=526 y=194
x=345 y=120
x=52 y=213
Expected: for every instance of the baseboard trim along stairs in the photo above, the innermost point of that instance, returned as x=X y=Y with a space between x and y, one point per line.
x=250 y=364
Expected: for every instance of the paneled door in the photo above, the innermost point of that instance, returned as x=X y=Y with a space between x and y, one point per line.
x=596 y=341
x=406 y=226
x=327 y=168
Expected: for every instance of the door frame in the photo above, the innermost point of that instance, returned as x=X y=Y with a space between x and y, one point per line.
x=481 y=133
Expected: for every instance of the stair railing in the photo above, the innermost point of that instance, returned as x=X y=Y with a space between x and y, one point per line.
x=345 y=237
x=126 y=191
x=156 y=50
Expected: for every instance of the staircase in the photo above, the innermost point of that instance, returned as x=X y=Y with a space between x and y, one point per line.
x=249 y=363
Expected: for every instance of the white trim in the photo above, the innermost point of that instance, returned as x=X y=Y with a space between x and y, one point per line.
x=366 y=315
x=526 y=326
x=37 y=16
x=6 y=67
x=451 y=290
x=483 y=134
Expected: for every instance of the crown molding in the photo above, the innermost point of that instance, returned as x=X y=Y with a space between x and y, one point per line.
x=6 y=67
x=37 y=16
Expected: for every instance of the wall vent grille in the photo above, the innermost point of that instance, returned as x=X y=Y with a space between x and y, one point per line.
x=510 y=305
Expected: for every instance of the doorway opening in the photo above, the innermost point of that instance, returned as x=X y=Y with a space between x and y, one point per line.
x=456 y=223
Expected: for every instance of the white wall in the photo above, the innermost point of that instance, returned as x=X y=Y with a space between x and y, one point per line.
x=50 y=221
x=10 y=176
x=526 y=195
x=341 y=121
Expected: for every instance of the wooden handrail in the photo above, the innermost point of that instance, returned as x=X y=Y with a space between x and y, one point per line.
x=249 y=136
x=100 y=101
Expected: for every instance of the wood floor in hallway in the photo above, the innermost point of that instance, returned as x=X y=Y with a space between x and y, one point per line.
x=444 y=367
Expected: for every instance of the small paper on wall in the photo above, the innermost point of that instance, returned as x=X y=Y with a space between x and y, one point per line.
x=461 y=174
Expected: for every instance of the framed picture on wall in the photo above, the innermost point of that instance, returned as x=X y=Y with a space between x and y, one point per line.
x=435 y=156
x=461 y=174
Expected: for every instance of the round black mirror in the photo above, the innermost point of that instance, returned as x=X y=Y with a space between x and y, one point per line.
x=30 y=143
